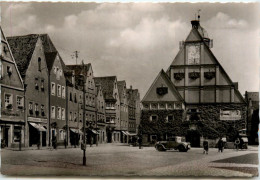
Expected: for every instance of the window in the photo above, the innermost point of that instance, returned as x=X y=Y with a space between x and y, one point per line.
x=36 y=84
x=153 y=118
x=39 y=64
x=17 y=133
x=63 y=92
x=9 y=70
x=19 y=102
x=30 y=105
x=42 y=84
x=54 y=70
x=63 y=114
x=161 y=106
x=75 y=98
x=178 y=105
x=70 y=118
x=59 y=90
x=53 y=112
x=169 y=118
x=62 y=134
x=75 y=117
x=80 y=117
x=8 y=101
x=42 y=110
x=53 y=88
x=59 y=113
x=70 y=96
x=57 y=73
x=36 y=108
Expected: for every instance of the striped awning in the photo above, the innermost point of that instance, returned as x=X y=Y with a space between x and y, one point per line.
x=94 y=131
x=128 y=134
x=37 y=126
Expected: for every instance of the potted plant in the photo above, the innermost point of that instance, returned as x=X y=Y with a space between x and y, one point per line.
x=179 y=76
x=194 y=75
x=209 y=75
x=9 y=106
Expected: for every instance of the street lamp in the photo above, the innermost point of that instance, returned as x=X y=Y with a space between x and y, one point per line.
x=84 y=118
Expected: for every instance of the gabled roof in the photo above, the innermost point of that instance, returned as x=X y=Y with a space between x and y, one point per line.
x=23 y=48
x=162 y=76
x=107 y=84
x=50 y=58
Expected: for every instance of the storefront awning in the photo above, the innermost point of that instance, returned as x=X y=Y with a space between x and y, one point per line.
x=37 y=126
x=124 y=133
x=128 y=134
x=74 y=130
x=94 y=131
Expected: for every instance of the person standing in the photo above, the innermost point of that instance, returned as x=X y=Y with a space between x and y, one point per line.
x=140 y=142
x=54 y=142
x=206 y=147
x=220 y=145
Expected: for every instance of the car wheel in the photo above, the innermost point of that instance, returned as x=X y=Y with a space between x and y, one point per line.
x=160 y=148
x=182 y=149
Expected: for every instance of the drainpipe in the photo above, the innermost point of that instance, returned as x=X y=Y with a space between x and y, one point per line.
x=49 y=108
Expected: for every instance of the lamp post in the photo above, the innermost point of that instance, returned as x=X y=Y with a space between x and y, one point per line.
x=84 y=118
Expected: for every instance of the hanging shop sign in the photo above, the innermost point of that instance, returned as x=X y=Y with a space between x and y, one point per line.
x=230 y=114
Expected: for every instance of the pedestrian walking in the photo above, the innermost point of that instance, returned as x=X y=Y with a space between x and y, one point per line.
x=206 y=147
x=236 y=144
x=54 y=142
x=220 y=145
x=140 y=142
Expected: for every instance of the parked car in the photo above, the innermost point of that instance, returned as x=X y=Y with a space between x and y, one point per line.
x=176 y=143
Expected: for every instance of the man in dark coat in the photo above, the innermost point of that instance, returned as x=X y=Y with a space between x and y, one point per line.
x=220 y=145
x=206 y=147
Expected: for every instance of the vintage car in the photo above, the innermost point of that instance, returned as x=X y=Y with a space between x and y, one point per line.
x=176 y=143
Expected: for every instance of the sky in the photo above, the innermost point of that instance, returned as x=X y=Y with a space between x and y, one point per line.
x=134 y=41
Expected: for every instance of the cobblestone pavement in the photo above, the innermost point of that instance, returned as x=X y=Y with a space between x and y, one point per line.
x=121 y=160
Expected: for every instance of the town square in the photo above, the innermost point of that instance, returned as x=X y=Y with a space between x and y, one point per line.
x=129 y=89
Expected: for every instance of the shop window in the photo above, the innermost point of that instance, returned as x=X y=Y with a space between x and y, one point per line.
x=17 y=134
x=19 y=102
x=9 y=101
x=53 y=88
x=63 y=114
x=59 y=90
x=63 y=92
x=53 y=112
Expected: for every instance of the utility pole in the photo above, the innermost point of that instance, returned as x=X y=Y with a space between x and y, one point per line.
x=84 y=118
x=76 y=55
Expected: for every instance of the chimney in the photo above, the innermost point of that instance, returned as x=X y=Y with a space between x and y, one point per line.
x=236 y=85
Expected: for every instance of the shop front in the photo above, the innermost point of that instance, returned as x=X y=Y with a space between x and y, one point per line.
x=37 y=132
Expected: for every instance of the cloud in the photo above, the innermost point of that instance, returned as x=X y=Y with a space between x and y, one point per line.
x=224 y=21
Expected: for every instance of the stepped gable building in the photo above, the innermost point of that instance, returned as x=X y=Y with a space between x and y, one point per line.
x=252 y=100
x=123 y=110
x=163 y=108
x=112 y=107
x=12 y=99
x=29 y=54
x=101 y=115
x=74 y=108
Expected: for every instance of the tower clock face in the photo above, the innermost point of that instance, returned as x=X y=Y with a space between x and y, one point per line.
x=193 y=53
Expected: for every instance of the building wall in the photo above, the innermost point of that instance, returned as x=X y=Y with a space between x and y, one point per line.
x=58 y=101
x=37 y=96
x=101 y=117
